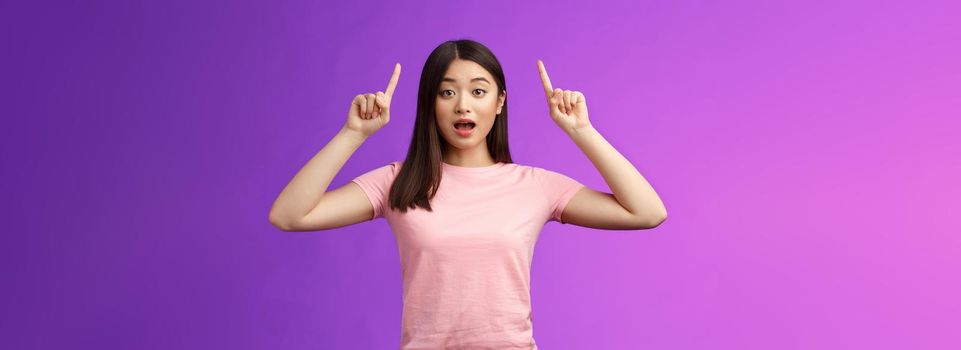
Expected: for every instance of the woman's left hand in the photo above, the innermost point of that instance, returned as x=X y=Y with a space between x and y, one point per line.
x=568 y=108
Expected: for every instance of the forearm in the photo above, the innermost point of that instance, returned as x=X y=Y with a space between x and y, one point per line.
x=629 y=187
x=310 y=183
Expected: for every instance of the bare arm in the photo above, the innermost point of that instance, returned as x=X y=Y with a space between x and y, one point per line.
x=642 y=207
x=304 y=204
x=310 y=183
x=634 y=203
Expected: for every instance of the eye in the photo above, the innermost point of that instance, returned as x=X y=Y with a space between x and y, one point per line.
x=443 y=91
x=482 y=90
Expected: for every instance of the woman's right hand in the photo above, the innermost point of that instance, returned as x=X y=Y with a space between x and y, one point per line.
x=370 y=112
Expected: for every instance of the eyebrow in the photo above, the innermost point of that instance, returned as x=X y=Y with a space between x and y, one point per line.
x=452 y=80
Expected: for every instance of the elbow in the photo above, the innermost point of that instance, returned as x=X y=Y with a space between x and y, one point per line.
x=652 y=221
x=660 y=219
x=278 y=222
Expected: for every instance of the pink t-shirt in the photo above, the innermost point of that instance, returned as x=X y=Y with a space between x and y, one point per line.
x=466 y=265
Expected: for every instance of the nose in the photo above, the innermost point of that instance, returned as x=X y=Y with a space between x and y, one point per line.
x=462 y=107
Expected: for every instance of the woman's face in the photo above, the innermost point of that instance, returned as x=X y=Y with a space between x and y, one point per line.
x=467 y=91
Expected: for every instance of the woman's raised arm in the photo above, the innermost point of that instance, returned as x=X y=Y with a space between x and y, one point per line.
x=304 y=204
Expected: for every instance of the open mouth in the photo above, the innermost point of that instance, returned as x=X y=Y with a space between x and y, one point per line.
x=464 y=126
x=464 y=129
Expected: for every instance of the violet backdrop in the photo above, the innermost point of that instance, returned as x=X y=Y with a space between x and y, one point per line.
x=807 y=153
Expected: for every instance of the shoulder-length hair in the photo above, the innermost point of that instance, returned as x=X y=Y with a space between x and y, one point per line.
x=419 y=177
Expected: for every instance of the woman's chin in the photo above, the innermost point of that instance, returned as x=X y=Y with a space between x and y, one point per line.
x=463 y=142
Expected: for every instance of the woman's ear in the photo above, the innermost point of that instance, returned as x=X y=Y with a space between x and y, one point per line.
x=500 y=101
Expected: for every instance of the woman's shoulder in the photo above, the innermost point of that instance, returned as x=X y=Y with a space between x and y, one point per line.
x=527 y=167
x=545 y=175
x=384 y=171
x=531 y=171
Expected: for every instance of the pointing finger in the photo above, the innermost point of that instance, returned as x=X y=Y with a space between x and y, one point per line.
x=545 y=79
x=393 y=80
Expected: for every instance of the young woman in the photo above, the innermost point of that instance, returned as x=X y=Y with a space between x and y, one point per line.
x=465 y=216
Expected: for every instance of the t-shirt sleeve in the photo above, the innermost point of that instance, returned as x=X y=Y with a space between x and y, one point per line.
x=376 y=185
x=559 y=189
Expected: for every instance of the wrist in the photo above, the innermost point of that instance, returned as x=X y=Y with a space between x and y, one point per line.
x=581 y=132
x=352 y=134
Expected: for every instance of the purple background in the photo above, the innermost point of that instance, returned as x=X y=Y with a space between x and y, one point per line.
x=807 y=153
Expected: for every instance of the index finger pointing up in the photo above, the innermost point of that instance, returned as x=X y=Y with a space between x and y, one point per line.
x=393 y=80
x=548 y=89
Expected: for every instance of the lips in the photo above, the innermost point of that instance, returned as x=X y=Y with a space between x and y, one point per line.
x=464 y=121
x=464 y=127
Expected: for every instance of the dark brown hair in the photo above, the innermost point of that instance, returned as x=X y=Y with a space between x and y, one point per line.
x=420 y=175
